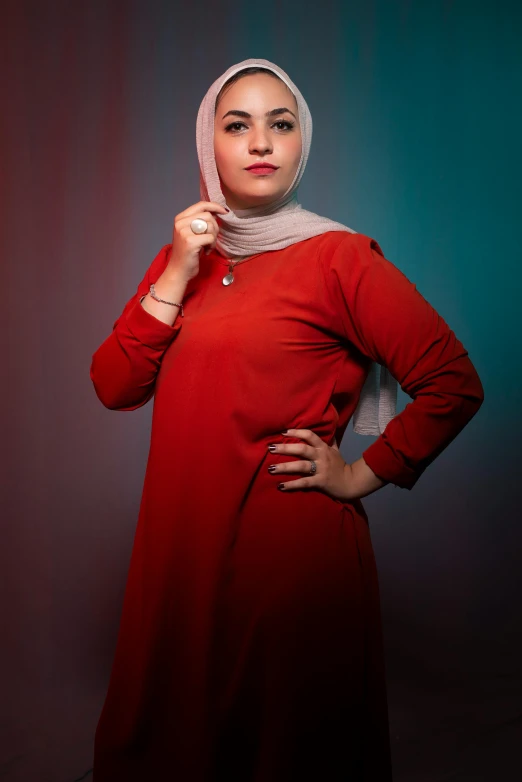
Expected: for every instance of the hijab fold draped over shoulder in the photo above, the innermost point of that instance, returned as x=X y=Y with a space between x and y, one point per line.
x=279 y=224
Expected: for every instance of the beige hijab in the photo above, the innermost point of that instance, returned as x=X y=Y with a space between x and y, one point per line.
x=279 y=224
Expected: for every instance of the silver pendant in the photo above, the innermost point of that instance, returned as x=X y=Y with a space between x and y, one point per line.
x=229 y=278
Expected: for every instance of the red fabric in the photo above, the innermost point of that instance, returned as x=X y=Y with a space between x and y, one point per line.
x=250 y=644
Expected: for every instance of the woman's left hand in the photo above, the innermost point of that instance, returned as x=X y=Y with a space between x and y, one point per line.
x=333 y=474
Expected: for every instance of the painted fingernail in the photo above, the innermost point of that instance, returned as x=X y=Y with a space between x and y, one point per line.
x=272 y=448
x=272 y=468
x=281 y=486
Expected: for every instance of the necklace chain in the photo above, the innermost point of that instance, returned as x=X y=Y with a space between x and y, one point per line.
x=232 y=264
x=229 y=278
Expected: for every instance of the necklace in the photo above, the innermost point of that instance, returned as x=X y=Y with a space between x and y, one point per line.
x=228 y=279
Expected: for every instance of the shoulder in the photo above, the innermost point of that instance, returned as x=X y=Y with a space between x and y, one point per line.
x=350 y=242
x=340 y=248
x=356 y=261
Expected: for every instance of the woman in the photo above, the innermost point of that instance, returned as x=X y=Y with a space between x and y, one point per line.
x=250 y=643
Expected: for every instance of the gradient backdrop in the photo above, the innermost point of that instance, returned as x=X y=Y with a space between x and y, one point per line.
x=417 y=131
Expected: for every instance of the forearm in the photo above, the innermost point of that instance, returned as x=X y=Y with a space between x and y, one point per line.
x=361 y=480
x=381 y=313
x=415 y=437
x=125 y=366
x=170 y=286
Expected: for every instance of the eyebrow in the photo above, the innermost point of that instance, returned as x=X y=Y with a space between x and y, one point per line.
x=238 y=113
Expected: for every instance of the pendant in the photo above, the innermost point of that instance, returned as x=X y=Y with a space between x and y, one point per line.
x=229 y=278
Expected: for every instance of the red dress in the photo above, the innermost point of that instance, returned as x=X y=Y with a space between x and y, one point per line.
x=250 y=646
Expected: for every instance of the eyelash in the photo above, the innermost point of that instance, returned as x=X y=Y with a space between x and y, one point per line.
x=279 y=122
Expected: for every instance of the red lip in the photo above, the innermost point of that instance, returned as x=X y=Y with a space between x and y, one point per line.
x=261 y=165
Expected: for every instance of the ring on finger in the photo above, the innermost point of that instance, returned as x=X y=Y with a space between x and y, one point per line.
x=199 y=226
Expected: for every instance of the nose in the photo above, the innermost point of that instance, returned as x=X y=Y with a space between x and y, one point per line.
x=260 y=142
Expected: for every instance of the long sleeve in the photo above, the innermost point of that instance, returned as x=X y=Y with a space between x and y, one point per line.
x=380 y=311
x=124 y=368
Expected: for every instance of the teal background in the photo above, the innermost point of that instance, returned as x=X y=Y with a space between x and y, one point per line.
x=417 y=126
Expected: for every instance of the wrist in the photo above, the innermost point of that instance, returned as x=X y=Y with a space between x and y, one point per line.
x=172 y=275
x=361 y=480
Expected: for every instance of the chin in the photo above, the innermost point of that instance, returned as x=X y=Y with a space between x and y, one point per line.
x=255 y=199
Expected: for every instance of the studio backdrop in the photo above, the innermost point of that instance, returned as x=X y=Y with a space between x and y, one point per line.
x=417 y=128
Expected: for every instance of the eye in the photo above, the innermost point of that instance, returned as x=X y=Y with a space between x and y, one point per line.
x=289 y=125
x=233 y=125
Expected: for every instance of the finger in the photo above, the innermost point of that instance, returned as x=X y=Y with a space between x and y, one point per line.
x=306 y=434
x=209 y=205
x=186 y=221
x=297 y=449
x=215 y=207
x=213 y=228
x=289 y=467
x=300 y=483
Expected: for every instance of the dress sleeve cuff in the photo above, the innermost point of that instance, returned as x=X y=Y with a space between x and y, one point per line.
x=148 y=330
x=380 y=458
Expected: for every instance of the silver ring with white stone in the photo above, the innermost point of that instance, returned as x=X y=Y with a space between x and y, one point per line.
x=199 y=226
x=313 y=467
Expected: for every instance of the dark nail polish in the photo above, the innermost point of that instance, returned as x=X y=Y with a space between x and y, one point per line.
x=272 y=468
x=271 y=448
x=281 y=486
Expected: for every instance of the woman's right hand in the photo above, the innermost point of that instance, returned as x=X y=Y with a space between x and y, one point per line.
x=186 y=245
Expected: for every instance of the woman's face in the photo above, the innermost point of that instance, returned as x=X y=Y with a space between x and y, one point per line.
x=242 y=140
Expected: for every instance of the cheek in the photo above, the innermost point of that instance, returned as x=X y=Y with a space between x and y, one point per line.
x=226 y=156
x=296 y=153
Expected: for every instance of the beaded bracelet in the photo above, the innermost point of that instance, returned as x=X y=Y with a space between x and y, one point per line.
x=156 y=298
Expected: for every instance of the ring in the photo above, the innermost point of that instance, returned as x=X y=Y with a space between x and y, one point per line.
x=313 y=467
x=199 y=226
